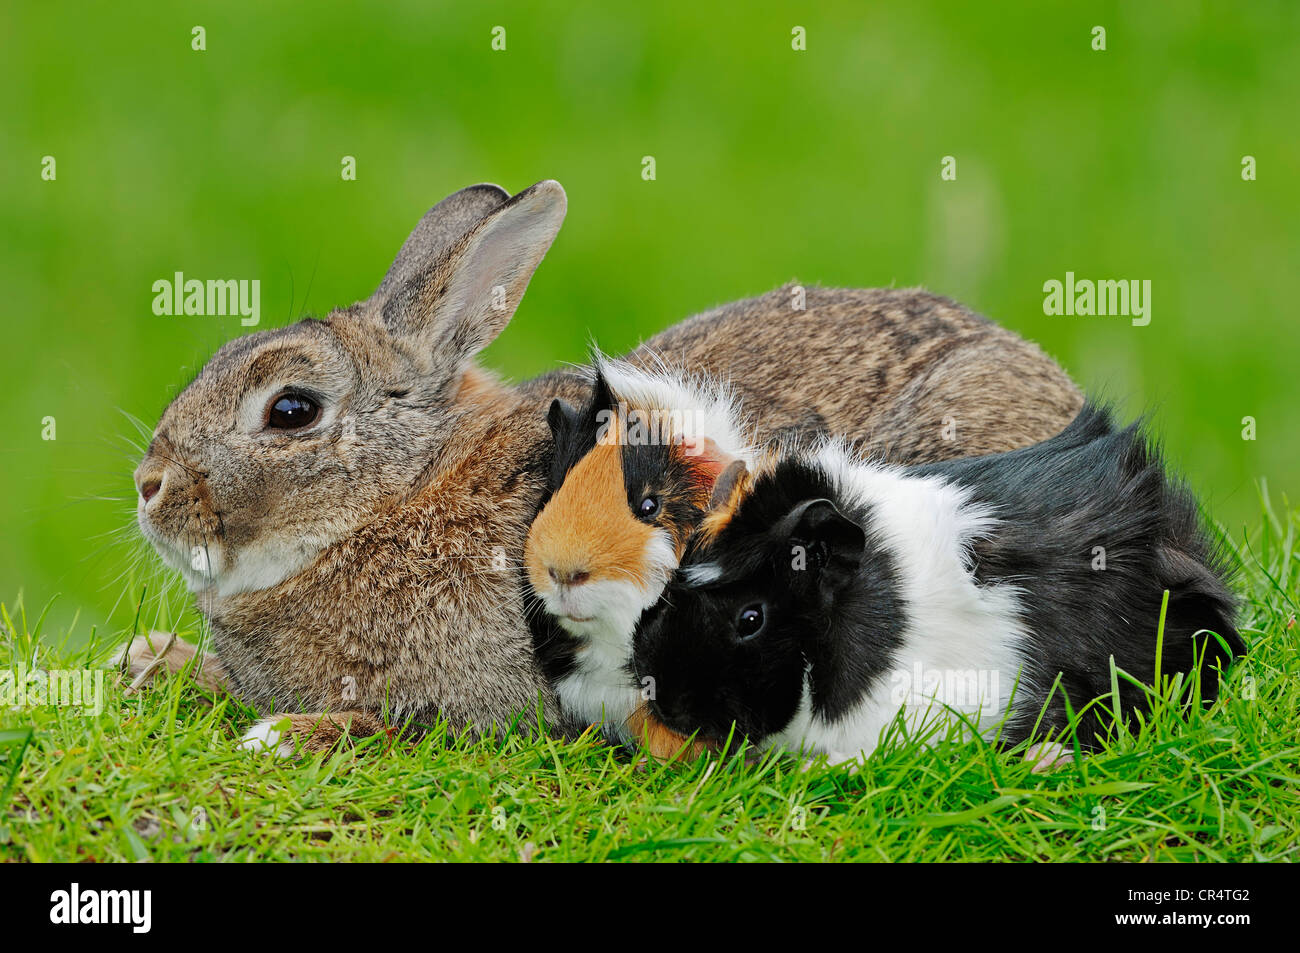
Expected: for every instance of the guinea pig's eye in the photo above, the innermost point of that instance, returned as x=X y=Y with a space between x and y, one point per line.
x=749 y=621
x=292 y=412
x=647 y=507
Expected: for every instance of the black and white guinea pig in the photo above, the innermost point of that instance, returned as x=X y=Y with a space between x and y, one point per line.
x=829 y=594
x=634 y=469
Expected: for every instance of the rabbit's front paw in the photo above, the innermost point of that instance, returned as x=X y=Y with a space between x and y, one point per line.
x=151 y=656
x=265 y=738
x=288 y=736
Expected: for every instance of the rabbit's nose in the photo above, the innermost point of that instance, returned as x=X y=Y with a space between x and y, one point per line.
x=568 y=577
x=149 y=488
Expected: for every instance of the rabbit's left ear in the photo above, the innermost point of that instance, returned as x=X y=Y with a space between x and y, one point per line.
x=446 y=310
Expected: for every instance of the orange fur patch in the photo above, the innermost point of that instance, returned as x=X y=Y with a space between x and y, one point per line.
x=588 y=527
x=661 y=741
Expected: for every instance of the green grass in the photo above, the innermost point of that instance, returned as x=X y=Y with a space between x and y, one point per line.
x=157 y=777
x=822 y=166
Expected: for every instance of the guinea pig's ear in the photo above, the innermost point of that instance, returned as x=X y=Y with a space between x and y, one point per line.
x=460 y=276
x=572 y=437
x=602 y=398
x=562 y=419
x=728 y=481
x=824 y=545
x=707 y=460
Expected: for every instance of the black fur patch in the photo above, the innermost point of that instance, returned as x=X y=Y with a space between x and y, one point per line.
x=1090 y=497
x=770 y=558
x=665 y=473
x=1057 y=502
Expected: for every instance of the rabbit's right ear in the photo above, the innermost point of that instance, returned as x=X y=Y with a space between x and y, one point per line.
x=438 y=230
x=446 y=310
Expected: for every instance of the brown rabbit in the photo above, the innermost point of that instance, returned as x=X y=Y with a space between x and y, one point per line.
x=348 y=497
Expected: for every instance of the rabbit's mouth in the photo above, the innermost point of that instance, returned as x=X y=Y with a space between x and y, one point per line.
x=194 y=534
x=196 y=557
x=178 y=515
x=212 y=567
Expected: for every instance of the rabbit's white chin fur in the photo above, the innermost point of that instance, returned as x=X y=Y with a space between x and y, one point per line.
x=264 y=564
x=210 y=568
x=199 y=564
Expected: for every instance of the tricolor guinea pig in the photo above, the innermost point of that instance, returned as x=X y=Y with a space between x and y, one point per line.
x=634 y=470
x=828 y=595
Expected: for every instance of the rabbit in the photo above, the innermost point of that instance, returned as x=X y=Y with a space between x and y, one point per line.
x=826 y=594
x=347 y=497
x=630 y=479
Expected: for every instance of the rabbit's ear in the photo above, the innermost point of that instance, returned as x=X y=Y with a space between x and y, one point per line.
x=438 y=230
x=451 y=308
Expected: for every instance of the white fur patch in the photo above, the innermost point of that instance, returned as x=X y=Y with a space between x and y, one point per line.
x=268 y=563
x=600 y=689
x=959 y=640
x=702 y=406
x=702 y=574
x=260 y=565
x=265 y=739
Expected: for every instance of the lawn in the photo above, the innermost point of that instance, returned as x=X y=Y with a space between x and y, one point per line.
x=157 y=776
x=128 y=155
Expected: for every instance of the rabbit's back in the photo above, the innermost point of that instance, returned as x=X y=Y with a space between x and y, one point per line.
x=906 y=375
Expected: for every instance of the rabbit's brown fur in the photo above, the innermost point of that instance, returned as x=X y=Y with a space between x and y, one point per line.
x=909 y=373
x=369 y=566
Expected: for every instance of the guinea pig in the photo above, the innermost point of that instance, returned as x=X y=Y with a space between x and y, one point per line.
x=633 y=473
x=828 y=595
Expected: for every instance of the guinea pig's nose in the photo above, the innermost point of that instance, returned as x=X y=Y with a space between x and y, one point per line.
x=569 y=577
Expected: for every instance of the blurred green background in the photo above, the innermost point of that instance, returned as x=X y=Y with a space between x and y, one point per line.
x=822 y=165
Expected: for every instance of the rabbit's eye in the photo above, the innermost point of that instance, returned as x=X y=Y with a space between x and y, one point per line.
x=749 y=622
x=292 y=412
x=647 y=508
